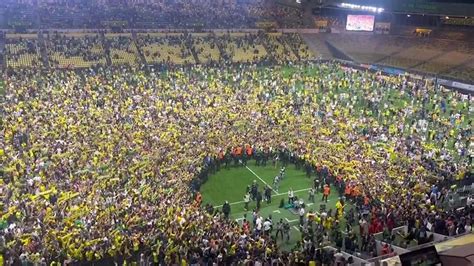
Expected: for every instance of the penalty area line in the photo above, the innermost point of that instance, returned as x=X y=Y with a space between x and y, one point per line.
x=276 y=192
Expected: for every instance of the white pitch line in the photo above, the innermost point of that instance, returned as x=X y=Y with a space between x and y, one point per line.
x=239 y=219
x=296 y=228
x=233 y=203
x=291 y=221
x=276 y=192
x=277 y=211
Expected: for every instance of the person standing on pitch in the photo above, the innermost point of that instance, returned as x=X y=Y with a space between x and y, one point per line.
x=254 y=190
x=301 y=213
x=276 y=183
x=282 y=173
x=258 y=198
x=286 y=231
x=291 y=196
x=246 y=201
x=226 y=209
x=268 y=194
x=279 y=229
x=326 y=192
x=316 y=184
x=311 y=195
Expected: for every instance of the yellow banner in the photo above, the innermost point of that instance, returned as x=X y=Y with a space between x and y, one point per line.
x=321 y=23
x=266 y=24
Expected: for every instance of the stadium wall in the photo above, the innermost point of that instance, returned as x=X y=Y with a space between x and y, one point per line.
x=357 y=260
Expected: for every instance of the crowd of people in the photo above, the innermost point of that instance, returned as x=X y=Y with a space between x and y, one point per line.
x=154 y=48
x=87 y=48
x=101 y=164
x=22 y=52
x=154 y=14
x=90 y=49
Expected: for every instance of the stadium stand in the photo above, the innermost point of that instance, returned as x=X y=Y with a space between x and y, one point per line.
x=279 y=49
x=206 y=48
x=166 y=48
x=122 y=49
x=436 y=56
x=247 y=48
x=75 y=50
x=22 y=50
x=156 y=14
x=298 y=46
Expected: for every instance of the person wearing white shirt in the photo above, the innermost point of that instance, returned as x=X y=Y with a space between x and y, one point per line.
x=258 y=224
x=301 y=213
x=267 y=226
x=276 y=183
x=291 y=196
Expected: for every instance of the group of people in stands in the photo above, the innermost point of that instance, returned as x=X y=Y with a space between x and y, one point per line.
x=161 y=14
x=101 y=164
x=183 y=42
x=90 y=48
x=18 y=48
x=87 y=48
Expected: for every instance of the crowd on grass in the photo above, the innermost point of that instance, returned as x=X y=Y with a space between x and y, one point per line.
x=103 y=164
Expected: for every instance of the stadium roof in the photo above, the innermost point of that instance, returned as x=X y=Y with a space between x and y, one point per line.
x=429 y=7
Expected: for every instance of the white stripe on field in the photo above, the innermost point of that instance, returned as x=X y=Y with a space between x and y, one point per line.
x=296 y=228
x=276 y=192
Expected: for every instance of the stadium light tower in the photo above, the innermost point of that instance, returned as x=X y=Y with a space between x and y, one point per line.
x=362 y=8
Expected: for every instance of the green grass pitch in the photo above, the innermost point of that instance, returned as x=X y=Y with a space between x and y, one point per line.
x=230 y=184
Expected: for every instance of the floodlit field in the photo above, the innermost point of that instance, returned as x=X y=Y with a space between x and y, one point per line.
x=230 y=184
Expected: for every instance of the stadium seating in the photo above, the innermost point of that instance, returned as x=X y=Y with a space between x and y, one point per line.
x=298 y=46
x=22 y=50
x=443 y=62
x=436 y=56
x=122 y=49
x=246 y=49
x=279 y=49
x=165 y=48
x=75 y=50
x=206 y=48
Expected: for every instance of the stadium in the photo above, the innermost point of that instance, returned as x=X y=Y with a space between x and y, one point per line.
x=236 y=132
